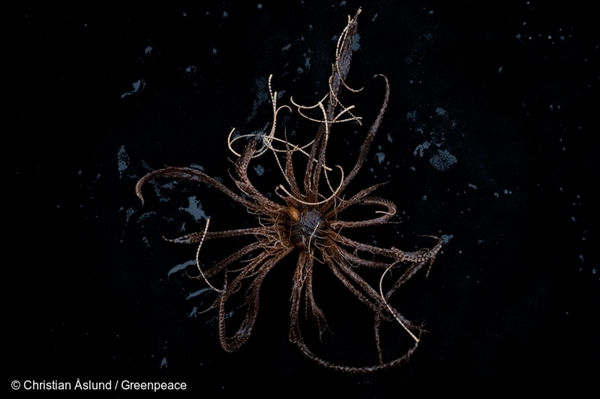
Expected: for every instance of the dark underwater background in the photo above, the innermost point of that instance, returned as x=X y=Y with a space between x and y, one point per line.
x=490 y=140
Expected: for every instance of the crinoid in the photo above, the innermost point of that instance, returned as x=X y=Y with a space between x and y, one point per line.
x=307 y=222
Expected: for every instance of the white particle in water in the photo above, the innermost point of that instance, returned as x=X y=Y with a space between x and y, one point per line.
x=443 y=160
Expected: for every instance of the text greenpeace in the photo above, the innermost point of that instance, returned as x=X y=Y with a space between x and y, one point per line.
x=153 y=386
